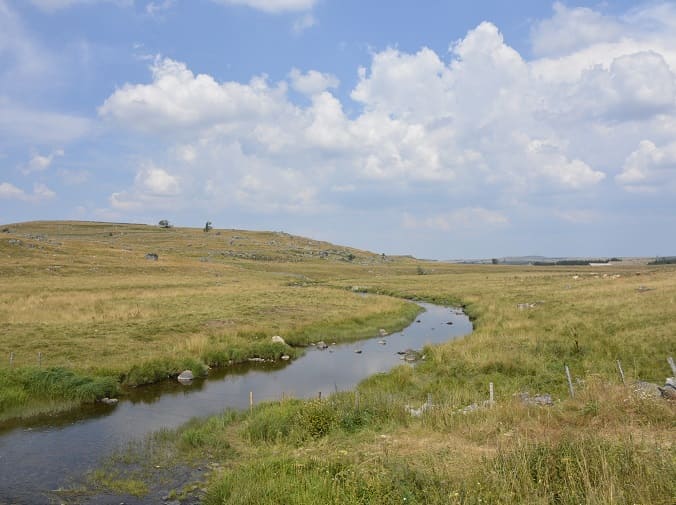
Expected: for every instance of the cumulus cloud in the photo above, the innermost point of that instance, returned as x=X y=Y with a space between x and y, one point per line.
x=571 y=29
x=40 y=163
x=479 y=128
x=154 y=187
x=305 y=22
x=312 y=82
x=650 y=168
x=272 y=6
x=40 y=192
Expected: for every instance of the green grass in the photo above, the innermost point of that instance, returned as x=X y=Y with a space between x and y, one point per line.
x=106 y=312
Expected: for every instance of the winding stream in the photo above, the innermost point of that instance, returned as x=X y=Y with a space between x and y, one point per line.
x=40 y=454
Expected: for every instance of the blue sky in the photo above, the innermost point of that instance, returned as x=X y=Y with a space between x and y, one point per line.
x=439 y=129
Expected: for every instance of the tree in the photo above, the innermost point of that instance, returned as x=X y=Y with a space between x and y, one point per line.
x=494 y=261
x=207 y=226
x=164 y=224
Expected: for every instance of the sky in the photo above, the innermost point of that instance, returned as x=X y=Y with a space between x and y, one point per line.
x=433 y=128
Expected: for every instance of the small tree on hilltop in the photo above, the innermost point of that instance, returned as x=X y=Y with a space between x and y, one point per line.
x=207 y=226
x=164 y=224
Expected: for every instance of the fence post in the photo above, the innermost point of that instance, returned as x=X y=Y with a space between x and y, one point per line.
x=11 y=360
x=570 y=382
x=250 y=401
x=491 y=395
x=356 y=400
x=670 y=360
x=619 y=367
x=319 y=397
x=40 y=359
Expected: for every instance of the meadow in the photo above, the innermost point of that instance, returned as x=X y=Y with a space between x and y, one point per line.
x=103 y=316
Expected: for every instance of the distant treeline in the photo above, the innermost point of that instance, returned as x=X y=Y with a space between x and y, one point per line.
x=667 y=260
x=573 y=262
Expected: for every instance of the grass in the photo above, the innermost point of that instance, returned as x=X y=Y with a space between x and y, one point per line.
x=107 y=312
x=82 y=297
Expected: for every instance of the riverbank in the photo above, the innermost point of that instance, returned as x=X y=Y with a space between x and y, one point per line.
x=84 y=312
x=611 y=443
x=45 y=454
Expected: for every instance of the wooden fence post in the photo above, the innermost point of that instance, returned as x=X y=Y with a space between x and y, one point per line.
x=670 y=360
x=11 y=360
x=40 y=359
x=619 y=367
x=491 y=393
x=250 y=401
x=570 y=383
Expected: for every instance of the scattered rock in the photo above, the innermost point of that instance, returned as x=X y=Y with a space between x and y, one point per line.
x=358 y=351
x=382 y=332
x=257 y=360
x=643 y=289
x=524 y=306
x=527 y=399
x=278 y=340
x=321 y=345
x=285 y=357
x=417 y=320
x=647 y=389
x=109 y=401
x=669 y=389
x=449 y=322
x=419 y=412
x=382 y=342
x=152 y=256
x=185 y=377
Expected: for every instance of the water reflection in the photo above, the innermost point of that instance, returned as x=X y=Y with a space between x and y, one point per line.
x=39 y=455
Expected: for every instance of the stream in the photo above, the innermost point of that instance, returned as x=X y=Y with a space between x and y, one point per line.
x=43 y=453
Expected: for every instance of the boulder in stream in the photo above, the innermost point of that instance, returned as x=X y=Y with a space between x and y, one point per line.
x=278 y=340
x=186 y=377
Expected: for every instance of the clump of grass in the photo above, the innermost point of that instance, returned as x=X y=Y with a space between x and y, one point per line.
x=36 y=384
x=160 y=369
x=116 y=483
x=574 y=470
x=281 y=479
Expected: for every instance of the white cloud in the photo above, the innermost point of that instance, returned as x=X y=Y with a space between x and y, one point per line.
x=159 y=7
x=572 y=29
x=154 y=187
x=157 y=181
x=54 y=5
x=480 y=128
x=9 y=191
x=272 y=6
x=40 y=163
x=40 y=192
x=464 y=218
x=178 y=97
x=305 y=22
x=312 y=82
x=650 y=168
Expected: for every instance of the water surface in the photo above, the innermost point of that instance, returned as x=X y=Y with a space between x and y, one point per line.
x=42 y=454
